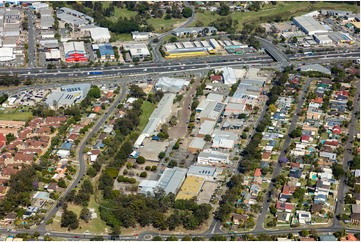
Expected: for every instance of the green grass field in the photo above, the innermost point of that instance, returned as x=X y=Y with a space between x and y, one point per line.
x=16 y=116
x=122 y=37
x=147 y=109
x=161 y=25
x=289 y=9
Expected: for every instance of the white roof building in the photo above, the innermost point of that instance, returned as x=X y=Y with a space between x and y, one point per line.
x=39 y=5
x=6 y=54
x=139 y=50
x=98 y=34
x=167 y=84
x=206 y=128
x=141 y=36
x=53 y=54
x=322 y=39
x=228 y=74
x=211 y=157
x=309 y=25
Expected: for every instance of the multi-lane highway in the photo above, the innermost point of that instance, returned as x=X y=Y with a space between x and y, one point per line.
x=31 y=39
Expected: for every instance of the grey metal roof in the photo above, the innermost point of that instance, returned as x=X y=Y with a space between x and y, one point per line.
x=172 y=179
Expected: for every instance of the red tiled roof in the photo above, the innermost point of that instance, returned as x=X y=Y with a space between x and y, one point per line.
x=50 y=120
x=336 y=130
x=24 y=157
x=23 y=134
x=73 y=136
x=109 y=94
x=331 y=142
x=2 y=140
x=97 y=109
x=288 y=189
x=284 y=206
x=216 y=78
x=295 y=164
x=342 y=93
x=266 y=155
x=95 y=152
x=305 y=137
x=257 y=172
x=351 y=237
x=9 y=171
x=317 y=100
x=44 y=130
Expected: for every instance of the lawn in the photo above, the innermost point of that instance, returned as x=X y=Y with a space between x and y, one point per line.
x=147 y=109
x=96 y=225
x=16 y=116
x=161 y=25
x=119 y=12
x=282 y=9
x=122 y=37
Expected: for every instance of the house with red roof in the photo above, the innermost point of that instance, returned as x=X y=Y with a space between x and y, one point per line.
x=288 y=189
x=35 y=122
x=257 y=172
x=306 y=138
x=332 y=143
x=2 y=140
x=43 y=130
x=109 y=94
x=217 y=78
x=55 y=120
x=72 y=137
x=318 y=100
x=266 y=156
x=25 y=133
x=24 y=157
x=350 y=237
x=97 y=109
x=9 y=171
x=295 y=165
x=342 y=93
x=336 y=130
x=288 y=207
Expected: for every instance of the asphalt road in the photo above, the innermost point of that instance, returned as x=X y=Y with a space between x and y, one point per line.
x=80 y=155
x=342 y=188
x=31 y=39
x=274 y=51
x=261 y=218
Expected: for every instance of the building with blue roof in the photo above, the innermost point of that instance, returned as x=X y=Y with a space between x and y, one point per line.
x=66 y=145
x=106 y=52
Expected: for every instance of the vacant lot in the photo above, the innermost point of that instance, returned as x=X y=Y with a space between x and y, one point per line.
x=147 y=109
x=15 y=116
x=269 y=11
x=161 y=25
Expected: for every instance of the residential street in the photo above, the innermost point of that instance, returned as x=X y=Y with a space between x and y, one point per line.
x=265 y=205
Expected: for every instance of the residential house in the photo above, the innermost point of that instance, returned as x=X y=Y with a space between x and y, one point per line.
x=303 y=217
x=282 y=206
x=314 y=113
x=239 y=219
x=355 y=214
x=283 y=217
x=327 y=237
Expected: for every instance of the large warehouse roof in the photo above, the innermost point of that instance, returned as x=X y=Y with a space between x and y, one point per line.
x=168 y=84
x=6 y=54
x=309 y=25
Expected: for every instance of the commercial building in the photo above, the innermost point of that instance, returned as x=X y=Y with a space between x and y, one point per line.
x=10 y=42
x=11 y=16
x=137 y=50
x=76 y=14
x=194 y=31
x=229 y=77
x=211 y=157
x=52 y=55
x=211 y=112
x=67 y=95
x=336 y=13
x=322 y=39
x=49 y=43
x=159 y=116
x=47 y=34
x=39 y=5
x=315 y=67
x=106 y=52
x=206 y=128
x=234 y=109
x=197 y=144
x=74 y=18
x=6 y=54
x=309 y=25
x=170 y=182
x=190 y=188
x=339 y=38
x=46 y=22
x=75 y=52
x=98 y=34
x=141 y=36
x=168 y=84
x=206 y=172
x=224 y=139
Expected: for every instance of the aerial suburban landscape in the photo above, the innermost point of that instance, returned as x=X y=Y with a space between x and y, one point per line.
x=180 y=121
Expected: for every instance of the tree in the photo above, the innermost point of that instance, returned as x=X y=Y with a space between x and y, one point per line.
x=208 y=138
x=62 y=183
x=115 y=231
x=297 y=132
x=218 y=237
x=140 y=160
x=294 y=40
x=337 y=170
x=143 y=174
x=161 y=155
x=187 y=12
x=157 y=238
x=136 y=91
x=94 y=92
x=69 y=219
x=85 y=214
x=187 y=238
x=223 y=10
x=272 y=108
x=9 y=138
x=91 y=172
x=299 y=193
x=173 y=39
x=304 y=233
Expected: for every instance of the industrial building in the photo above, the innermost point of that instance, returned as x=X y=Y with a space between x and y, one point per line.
x=194 y=31
x=46 y=18
x=190 y=188
x=206 y=128
x=211 y=157
x=141 y=36
x=98 y=34
x=224 y=139
x=206 y=172
x=212 y=111
x=39 y=5
x=47 y=34
x=74 y=18
x=75 y=52
x=197 y=144
x=138 y=50
x=159 y=116
x=309 y=25
x=316 y=67
x=336 y=13
x=168 y=84
x=339 y=38
x=170 y=182
x=67 y=95
x=234 y=109
x=106 y=51
x=52 y=55
x=49 y=43
x=6 y=54
x=229 y=77
x=322 y=39
x=76 y=14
